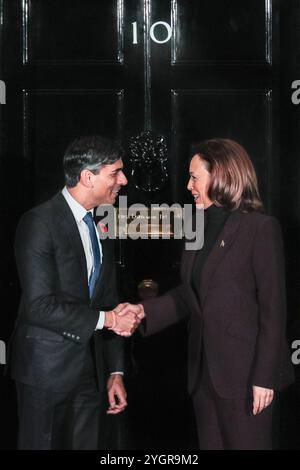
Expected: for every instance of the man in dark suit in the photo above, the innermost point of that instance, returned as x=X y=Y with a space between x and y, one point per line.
x=61 y=349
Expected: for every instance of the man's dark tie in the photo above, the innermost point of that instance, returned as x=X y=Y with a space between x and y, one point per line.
x=96 y=252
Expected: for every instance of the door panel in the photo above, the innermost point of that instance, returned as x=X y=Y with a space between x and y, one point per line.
x=216 y=32
x=58 y=32
x=245 y=115
x=91 y=112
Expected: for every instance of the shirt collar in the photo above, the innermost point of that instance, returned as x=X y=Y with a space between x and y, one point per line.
x=77 y=209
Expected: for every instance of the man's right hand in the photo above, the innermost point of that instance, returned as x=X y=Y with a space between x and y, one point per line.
x=124 y=319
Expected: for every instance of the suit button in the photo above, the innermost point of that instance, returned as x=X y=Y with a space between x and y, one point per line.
x=73 y=336
x=69 y=334
x=77 y=337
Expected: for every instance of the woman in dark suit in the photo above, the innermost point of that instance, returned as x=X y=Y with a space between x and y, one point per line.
x=233 y=293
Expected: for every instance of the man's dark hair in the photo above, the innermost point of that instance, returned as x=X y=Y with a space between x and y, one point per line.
x=89 y=153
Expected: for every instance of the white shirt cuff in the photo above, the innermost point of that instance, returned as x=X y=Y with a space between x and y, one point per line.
x=101 y=321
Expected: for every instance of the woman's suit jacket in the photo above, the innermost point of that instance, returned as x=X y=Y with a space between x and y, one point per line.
x=239 y=310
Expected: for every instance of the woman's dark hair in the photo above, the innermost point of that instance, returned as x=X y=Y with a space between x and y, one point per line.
x=89 y=153
x=233 y=181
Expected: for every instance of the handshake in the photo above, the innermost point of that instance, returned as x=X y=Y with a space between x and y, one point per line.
x=124 y=319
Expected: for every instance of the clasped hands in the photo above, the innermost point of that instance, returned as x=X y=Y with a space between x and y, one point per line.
x=124 y=319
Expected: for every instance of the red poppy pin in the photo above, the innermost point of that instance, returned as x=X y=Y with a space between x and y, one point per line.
x=103 y=228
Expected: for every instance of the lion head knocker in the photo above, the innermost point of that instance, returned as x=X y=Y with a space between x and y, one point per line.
x=148 y=157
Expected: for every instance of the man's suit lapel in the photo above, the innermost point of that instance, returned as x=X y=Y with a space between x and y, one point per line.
x=219 y=250
x=69 y=227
